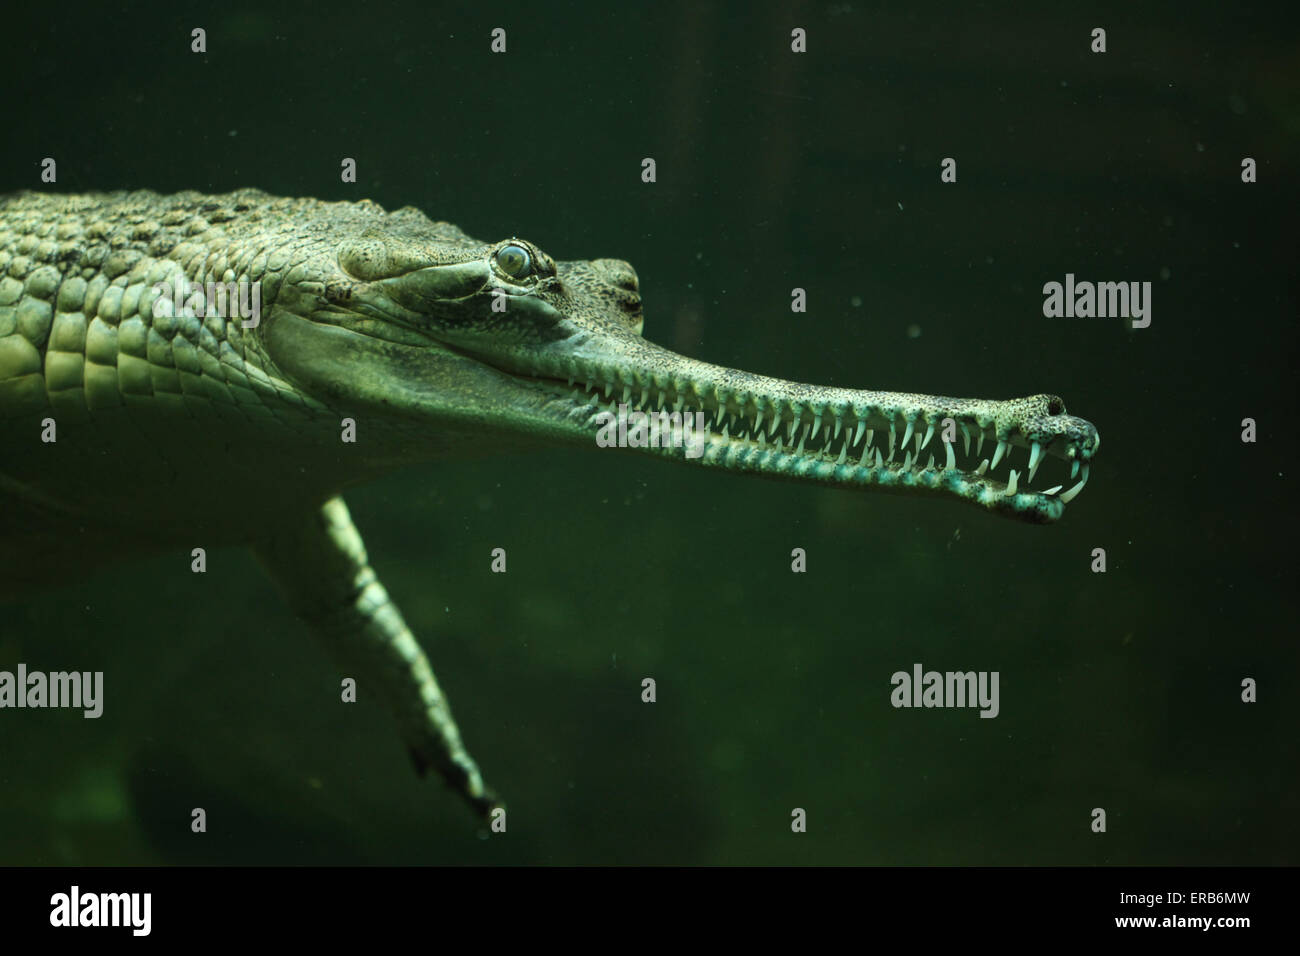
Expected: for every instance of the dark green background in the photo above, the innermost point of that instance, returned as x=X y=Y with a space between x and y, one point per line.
x=774 y=171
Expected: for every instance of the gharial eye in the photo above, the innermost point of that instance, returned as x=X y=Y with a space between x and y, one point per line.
x=515 y=261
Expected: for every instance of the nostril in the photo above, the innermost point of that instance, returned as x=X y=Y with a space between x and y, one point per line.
x=620 y=274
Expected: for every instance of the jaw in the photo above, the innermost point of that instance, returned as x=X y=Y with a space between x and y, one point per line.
x=1022 y=459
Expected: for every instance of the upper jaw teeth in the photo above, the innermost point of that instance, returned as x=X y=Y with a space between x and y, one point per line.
x=1035 y=458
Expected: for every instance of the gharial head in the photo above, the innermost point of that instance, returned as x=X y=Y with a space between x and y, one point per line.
x=422 y=324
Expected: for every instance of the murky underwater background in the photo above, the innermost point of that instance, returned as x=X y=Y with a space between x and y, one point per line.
x=775 y=170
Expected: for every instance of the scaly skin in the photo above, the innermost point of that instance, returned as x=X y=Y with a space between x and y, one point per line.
x=387 y=319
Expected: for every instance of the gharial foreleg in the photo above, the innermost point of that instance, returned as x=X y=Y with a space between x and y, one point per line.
x=319 y=561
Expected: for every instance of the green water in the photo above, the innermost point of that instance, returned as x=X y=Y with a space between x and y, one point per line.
x=1118 y=690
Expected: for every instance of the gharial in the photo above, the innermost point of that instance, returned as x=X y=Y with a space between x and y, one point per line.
x=429 y=342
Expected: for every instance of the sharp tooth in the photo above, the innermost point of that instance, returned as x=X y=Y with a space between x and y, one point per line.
x=839 y=425
x=871 y=433
x=1052 y=491
x=1074 y=469
x=979 y=445
x=857 y=435
x=778 y=442
x=984 y=466
x=803 y=437
x=929 y=433
x=907 y=435
x=880 y=462
x=866 y=450
x=844 y=454
x=1068 y=496
x=758 y=424
x=608 y=388
x=907 y=461
x=789 y=431
x=965 y=436
x=1011 y=485
x=997 y=455
x=929 y=465
x=952 y=456
x=660 y=403
x=645 y=396
x=627 y=393
x=1035 y=458
x=725 y=436
x=678 y=402
x=891 y=441
x=817 y=423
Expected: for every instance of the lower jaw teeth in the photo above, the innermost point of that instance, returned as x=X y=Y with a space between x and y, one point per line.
x=1073 y=492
